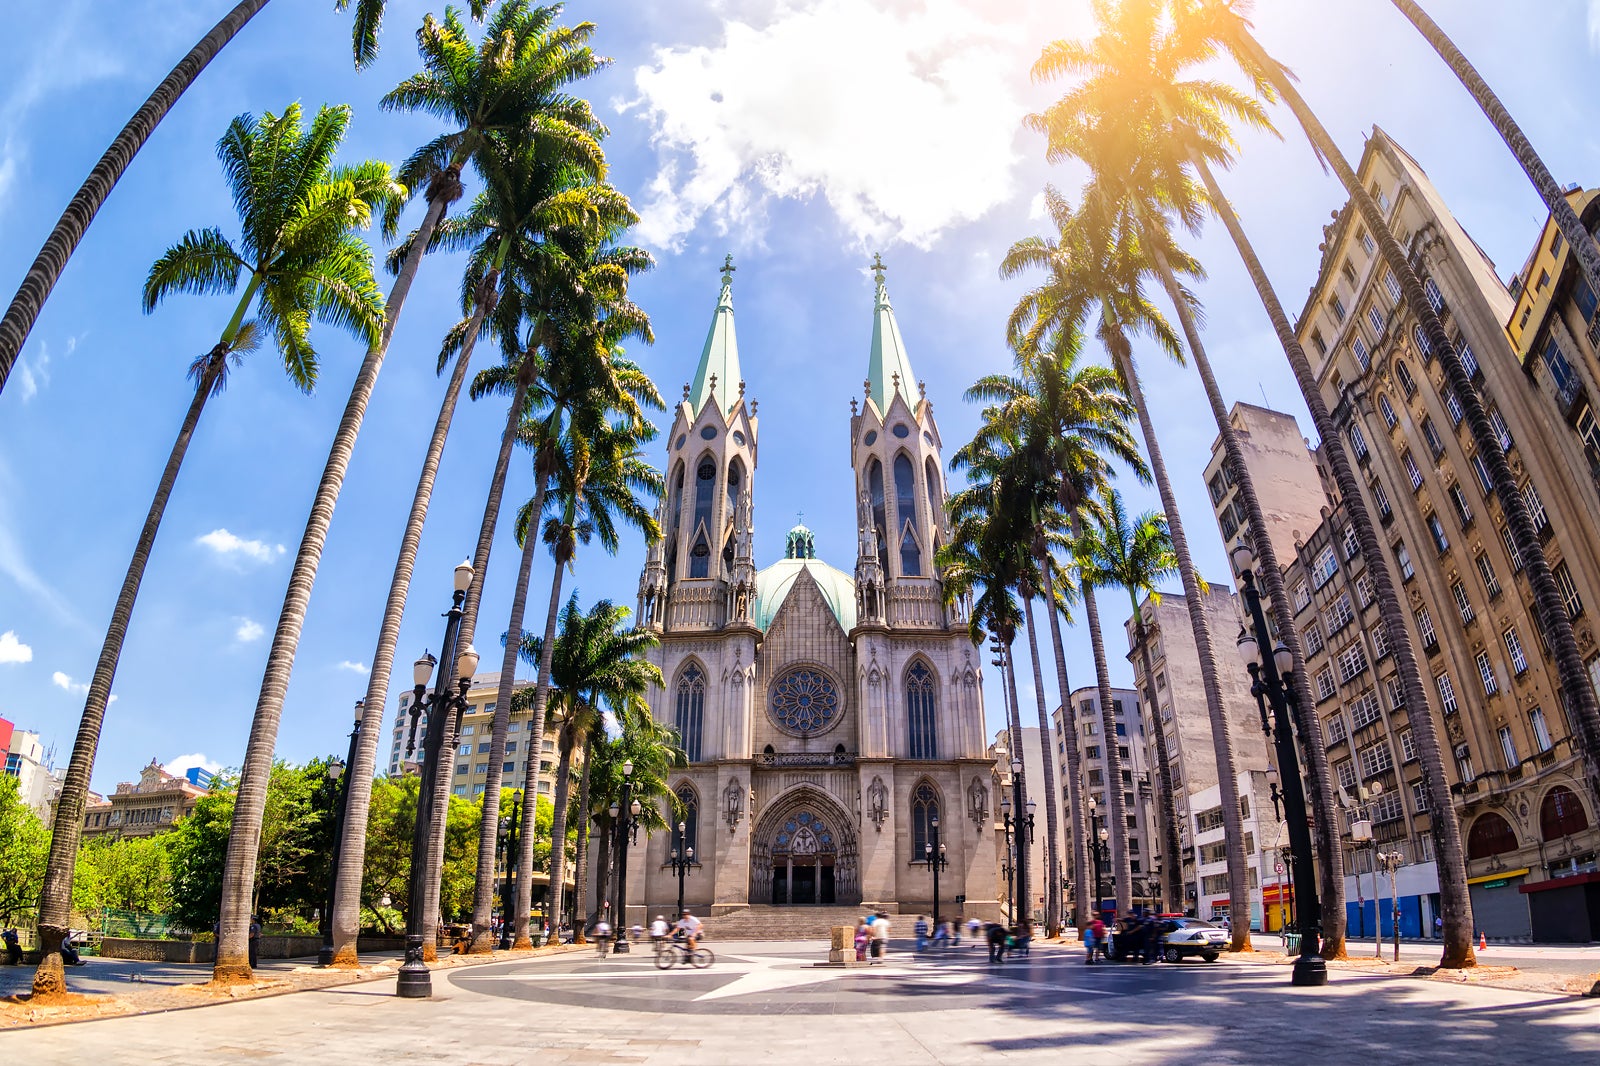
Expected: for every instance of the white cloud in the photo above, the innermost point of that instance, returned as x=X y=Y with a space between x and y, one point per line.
x=354 y=668
x=177 y=765
x=902 y=117
x=77 y=688
x=249 y=630
x=13 y=650
x=230 y=546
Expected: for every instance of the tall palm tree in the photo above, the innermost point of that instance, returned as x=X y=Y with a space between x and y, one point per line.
x=1584 y=246
x=1136 y=553
x=299 y=259
x=652 y=747
x=500 y=88
x=74 y=222
x=1095 y=261
x=1073 y=420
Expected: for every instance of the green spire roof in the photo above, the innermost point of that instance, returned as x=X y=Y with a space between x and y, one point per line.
x=720 y=358
x=889 y=368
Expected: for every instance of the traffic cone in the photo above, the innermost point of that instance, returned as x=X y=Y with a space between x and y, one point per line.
x=1483 y=941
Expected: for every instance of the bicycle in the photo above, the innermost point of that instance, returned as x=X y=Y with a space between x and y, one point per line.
x=673 y=952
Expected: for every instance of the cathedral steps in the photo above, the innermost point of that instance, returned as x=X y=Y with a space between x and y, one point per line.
x=782 y=923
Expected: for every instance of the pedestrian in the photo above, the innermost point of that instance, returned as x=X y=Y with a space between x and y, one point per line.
x=1095 y=937
x=955 y=933
x=255 y=941
x=1438 y=927
x=997 y=941
x=880 y=935
x=602 y=936
x=920 y=930
x=974 y=927
x=13 y=947
x=863 y=938
x=941 y=935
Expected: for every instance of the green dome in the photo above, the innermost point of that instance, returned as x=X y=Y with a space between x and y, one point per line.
x=773 y=585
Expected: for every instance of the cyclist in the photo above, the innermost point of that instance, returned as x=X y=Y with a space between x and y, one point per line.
x=689 y=926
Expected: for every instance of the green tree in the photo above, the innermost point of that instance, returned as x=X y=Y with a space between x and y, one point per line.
x=653 y=749
x=298 y=259
x=132 y=874
x=24 y=849
x=199 y=846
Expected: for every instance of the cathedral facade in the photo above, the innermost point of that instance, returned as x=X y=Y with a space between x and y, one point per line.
x=833 y=720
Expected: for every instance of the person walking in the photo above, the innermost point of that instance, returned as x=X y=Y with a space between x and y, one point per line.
x=880 y=935
x=974 y=927
x=13 y=947
x=602 y=936
x=920 y=930
x=255 y=941
x=941 y=935
x=1095 y=937
x=863 y=938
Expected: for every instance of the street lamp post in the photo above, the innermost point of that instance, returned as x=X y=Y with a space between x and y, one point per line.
x=336 y=773
x=1270 y=676
x=682 y=860
x=508 y=896
x=449 y=692
x=1391 y=861
x=1019 y=844
x=1009 y=865
x=933 y=852
x=1098 y=836
x=627 y=831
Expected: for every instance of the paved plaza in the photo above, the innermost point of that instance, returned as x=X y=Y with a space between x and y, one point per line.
x=770 y=1003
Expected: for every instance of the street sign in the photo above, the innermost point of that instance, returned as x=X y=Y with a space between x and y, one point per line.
x=1277 y=867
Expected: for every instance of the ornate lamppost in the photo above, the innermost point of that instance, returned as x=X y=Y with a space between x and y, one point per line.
x=1015 y=828
x=682 y=859
x=448 y=698
x=1271 y=680
x=933 y=852
x=1009 y=865
x=627 y=832
x=336 y=771
x=508 y=896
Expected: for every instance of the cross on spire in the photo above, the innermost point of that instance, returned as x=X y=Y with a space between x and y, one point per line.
x=877 y=267
x=727 y=270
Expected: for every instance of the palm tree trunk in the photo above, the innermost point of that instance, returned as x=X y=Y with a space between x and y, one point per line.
x=1052 y=796
x=1313 y=752
x=530 y=779
x=580 y=868
x=244 y=839
x=55 y=902
x=1221 y=739
x=1069 y=728
x=74 y=221
x=483 y=890
x=1584 y=247
x=558 y=836
x=1171 y=846
x=1455 y=904
x=1121 y=868
x=602 y=874
x=358 y=802
x=1023 y=916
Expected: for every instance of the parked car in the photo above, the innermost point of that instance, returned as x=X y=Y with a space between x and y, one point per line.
x=1193 y=936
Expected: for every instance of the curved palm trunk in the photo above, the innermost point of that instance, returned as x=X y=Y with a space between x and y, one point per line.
x=1313 y=752
x=1023 y=916
x=55 y=903
x=1584 y=247
x=244 y=839
x=1171 y=846
x=558 y=841
x=1121 y=868
x=1222 y=741
x=358 y=802
x=602 y=874
x=74 y=221
x=580 y=867
x=488 y=831
x=530 y=779
x=1052 y=796
x=1074 y=764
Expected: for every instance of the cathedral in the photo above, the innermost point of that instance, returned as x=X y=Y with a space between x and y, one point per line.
x=833 y=721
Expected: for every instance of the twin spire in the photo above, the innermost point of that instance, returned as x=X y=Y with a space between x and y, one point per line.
x=719 y=375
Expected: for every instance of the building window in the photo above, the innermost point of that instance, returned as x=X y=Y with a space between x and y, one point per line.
x=1569 y=590
x=1436 y=530
x=1375 y=759
x=1463 y=604
x=1403 y=557
x=1423 y=347
x=1402 y=374
x=1335 y=730
x=1469 y=362
x=1325 y=685
x=1435 y=298
x=1490 y=581
x=1412 y=471
x=1511 y=549
x=1337 y=307
x=1464 y=767
x=1368 y=245
x=1540 y=728
x=1408 y=747
x=1380 y=639
x=1375 y=316
x=1386 y=409
x=1419 y=797
x=1561 y=374
x=1347 y=775
x=1381 y=498
x=481 y=768
x=1352 y=660
x=920 y=703
x=905 y=504
x=1452 y=406
x=1358 y=443
x=1348 y=272
x=1352 y=543
x=1430 y=433
x=1326 y=566
x=1381 y=198
x=1541 y=521
x=1340 y=614
x=1397 y=692
x=689 y=814
x=705 y=488
x=1392 y=284
x=691 y=710
x=1363 y=356
x=1365 y=710
x=1302 y=597
x=1458 y=500
x=1502 y=431
x=1519 y=661
x=1508 y=747
x=1312 y=634
x=1486 y=672
x=483 y=749
x=1321 y=345
x=1425 y=628
x=1388 y=808
x=1447 y=694
x=1561 y=815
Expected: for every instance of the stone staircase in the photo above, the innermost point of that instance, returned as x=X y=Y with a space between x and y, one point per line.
x=782 y=923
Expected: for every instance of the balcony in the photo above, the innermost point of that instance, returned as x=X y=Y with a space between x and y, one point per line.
x=787 y=759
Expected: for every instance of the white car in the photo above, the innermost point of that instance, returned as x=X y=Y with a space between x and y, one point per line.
x=1193 y=936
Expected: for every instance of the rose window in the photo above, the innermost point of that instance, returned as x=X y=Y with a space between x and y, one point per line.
x=804 y=700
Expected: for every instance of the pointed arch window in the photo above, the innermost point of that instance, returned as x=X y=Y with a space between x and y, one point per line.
x=920 y=702
x=879 y=521
x=705 y=488
x=691 y=710
x=905 y=509
x=935 y=487
x=689 y=815
x=924 y=821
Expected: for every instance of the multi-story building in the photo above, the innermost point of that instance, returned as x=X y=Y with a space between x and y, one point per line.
x=470 y=763
x=1033 y=787
x=1284 y=472
x=1182 y=713
x=1526 y=814
x=27 y=760
x=144 y=807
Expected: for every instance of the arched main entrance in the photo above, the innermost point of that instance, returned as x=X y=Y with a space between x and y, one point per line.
x=805 y=853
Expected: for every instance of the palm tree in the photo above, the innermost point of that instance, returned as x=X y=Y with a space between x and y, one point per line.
x=299 y=258
x=1096 y=260
x=69 y=230
x=1137 y=554
x=502 y=87
x=652 y=748
x=1584 y=247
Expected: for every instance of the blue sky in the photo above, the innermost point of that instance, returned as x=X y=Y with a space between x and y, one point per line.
x=801 y=136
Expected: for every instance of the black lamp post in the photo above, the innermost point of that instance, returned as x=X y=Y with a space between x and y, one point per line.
x=336 y=772
x=627 y=832
x=449 y=693
x=1014 y=830
x=508 y=895
x=1270 y=676
x=933 y=852
x=682 y=859
x=1008 y=864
